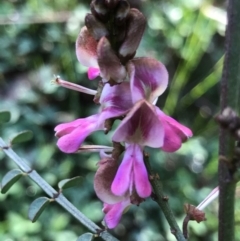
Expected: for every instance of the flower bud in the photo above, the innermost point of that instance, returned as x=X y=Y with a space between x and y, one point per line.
x=110 y=66
x=95 y=27
x=122 y=10
x=99 y=9
x=136 y=23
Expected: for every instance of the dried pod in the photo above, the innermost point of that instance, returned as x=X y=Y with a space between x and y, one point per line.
x=136 y=23
x=95 y=27
x=110 y=66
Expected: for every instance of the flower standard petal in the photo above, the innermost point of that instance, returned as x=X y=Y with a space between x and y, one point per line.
x=86 y=48
x=148 y=78
x=141 y=126
x=103 y=180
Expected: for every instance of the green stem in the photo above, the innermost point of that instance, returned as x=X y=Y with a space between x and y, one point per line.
x=162 y=201
x=60 y=199
x=230 y=96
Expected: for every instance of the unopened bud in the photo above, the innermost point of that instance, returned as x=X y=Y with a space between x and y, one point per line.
x=99 y=9
x=110 y=66
x=95 y=27
x=122 y=10
x=136 y=23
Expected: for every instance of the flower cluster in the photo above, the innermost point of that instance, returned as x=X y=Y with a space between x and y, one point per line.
x=131 y=86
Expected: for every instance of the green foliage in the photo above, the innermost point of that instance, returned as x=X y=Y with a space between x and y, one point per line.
x=22 y=137
x=9 y=179
x=37 y=207
x=71 y=182
x=4 y=116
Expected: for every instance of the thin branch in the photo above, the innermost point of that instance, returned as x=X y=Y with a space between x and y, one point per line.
x=162 y=201
x=230 y=96
x=59 y=198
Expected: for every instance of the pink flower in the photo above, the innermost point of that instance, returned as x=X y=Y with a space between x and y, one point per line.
x=115 y=101
x=115 y=205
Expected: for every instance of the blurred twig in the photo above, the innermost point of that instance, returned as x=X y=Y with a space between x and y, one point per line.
x=163 y=201
x=58 y=197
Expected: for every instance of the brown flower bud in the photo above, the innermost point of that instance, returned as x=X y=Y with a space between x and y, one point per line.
x=99 y=9
x=95 y=27
x=110 y=66
x=136 y=23
x=122 y=10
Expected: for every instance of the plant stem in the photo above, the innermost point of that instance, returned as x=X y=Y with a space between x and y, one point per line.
x=230 y=96
x=58 y=197
x=162 y=201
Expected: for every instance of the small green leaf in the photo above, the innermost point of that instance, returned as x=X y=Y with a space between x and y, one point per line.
x=10 y=178
x=5 y=116
x=72 y=182
x=22 y=137
x=37 y=207
x=86 y=237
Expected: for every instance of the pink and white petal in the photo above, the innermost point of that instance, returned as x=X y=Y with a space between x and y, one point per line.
x=122 y=180
x=140 y=175
x=148 y=78
x=141 y=126
x=93 y=73
x=114 y=213
x=103 y=180
x=86 y=49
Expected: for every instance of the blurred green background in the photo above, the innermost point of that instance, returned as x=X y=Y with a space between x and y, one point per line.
x=37 y=42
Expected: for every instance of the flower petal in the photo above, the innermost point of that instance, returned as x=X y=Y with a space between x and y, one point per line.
x=86 y=49
x=175 y=133
x=93 y=73
x=114 y=213
x=71 y=137
x=141 y=126
x=141 y=181
x=103 y=180
x=148 y=78
x=115 y=100
x=122 y=180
